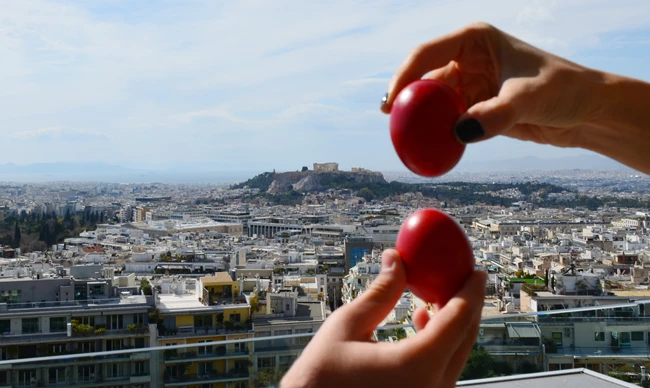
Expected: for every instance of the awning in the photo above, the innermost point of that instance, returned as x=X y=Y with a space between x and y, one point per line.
x=523 y=330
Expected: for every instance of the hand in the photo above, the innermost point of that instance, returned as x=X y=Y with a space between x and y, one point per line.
x=510 y=87
x=342 y=354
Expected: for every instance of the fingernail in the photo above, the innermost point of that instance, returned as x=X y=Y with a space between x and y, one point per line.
x=384 y=99
x=469 y=130
x=388 y=262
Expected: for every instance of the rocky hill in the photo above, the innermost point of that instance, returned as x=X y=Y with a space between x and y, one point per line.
x=311 y=181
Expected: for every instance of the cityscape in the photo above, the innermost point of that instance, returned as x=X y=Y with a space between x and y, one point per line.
x=208 y=270
x=196 y=193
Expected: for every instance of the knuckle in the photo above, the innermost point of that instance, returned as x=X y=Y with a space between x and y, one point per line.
x=477 y=29
x=416 y=53
x=479 y=26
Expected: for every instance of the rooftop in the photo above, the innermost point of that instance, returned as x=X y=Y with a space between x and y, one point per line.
x=219 y=277
x=570 y=378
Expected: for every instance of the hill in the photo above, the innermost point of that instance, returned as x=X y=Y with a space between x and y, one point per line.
x=289 y=189
x=312 y=181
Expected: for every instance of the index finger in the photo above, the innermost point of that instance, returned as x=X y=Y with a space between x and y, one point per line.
x=424 y=58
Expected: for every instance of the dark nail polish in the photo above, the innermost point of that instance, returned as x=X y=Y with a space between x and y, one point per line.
x=469 y=130
x=384 y=99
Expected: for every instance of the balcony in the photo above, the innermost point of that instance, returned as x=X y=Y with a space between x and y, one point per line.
x=285 y=347
x=220 y=300
x=207 y=378
x=507 y=347
x=9 y=338
x=216 y=354
x=190 y=331
x=601 y=352
x=140 y=379
x=90 y=304
x=554 y=320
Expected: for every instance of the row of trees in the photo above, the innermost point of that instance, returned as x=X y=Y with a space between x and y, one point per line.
x=37 y=231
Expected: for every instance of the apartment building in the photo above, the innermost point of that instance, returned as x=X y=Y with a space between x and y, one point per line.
x=204 y=312
x=54 y=317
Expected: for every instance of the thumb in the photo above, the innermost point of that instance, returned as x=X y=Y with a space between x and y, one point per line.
x=359 y=318
x=486 y=119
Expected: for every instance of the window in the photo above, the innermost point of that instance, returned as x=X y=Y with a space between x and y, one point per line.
x=172 y=371
x=86 y=347
x=5 y=326
x=114 y=345
x=138 y=319
x=241 y=366
x=205 y=368
x=600 y=336
x=27 y=377
x=139 y=368
x=557 y=338
x=637 y=336
x=114 y=322
x=266 y=362
x=139 y=343
x=625 y=338
x=96 y=290
x=85 y=320
x=58 y=324
x=169 y=322
x=303 y=340
x=235 y=317
x=56 y=375
x=240 y=347
x=30 y=325
x=58 y=348
x=114 y=370
x=202 y=321
x=204 y=349
x=10 y=296
x=286 y=361
x=86 y=372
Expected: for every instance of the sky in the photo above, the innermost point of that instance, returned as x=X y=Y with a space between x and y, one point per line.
x=257 y=85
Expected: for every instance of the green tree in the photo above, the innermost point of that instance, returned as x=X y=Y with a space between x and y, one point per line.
x=146 y=287
x=479 y=365
x=17 y=236
x=366 y=194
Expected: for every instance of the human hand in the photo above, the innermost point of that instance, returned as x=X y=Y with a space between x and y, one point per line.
x=342 y=354
x=510 y=87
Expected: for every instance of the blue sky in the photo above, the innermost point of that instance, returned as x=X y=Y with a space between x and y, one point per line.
x=257 y=85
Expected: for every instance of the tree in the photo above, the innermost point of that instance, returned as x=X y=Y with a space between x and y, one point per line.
x=68 y=221
x=366 y=194
x=146 y=287
x=479 y=365
x=546 y=279
x=17 y=236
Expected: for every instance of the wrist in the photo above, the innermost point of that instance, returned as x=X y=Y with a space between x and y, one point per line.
x=618 y=123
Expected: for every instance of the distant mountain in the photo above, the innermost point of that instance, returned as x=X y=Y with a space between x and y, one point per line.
x=529 y=163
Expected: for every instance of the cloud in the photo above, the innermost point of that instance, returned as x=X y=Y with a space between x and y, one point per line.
x=250 y=74
x=60 y=134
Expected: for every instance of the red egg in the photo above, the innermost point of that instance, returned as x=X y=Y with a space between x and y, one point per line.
x=437 y=255
x=422 y=121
